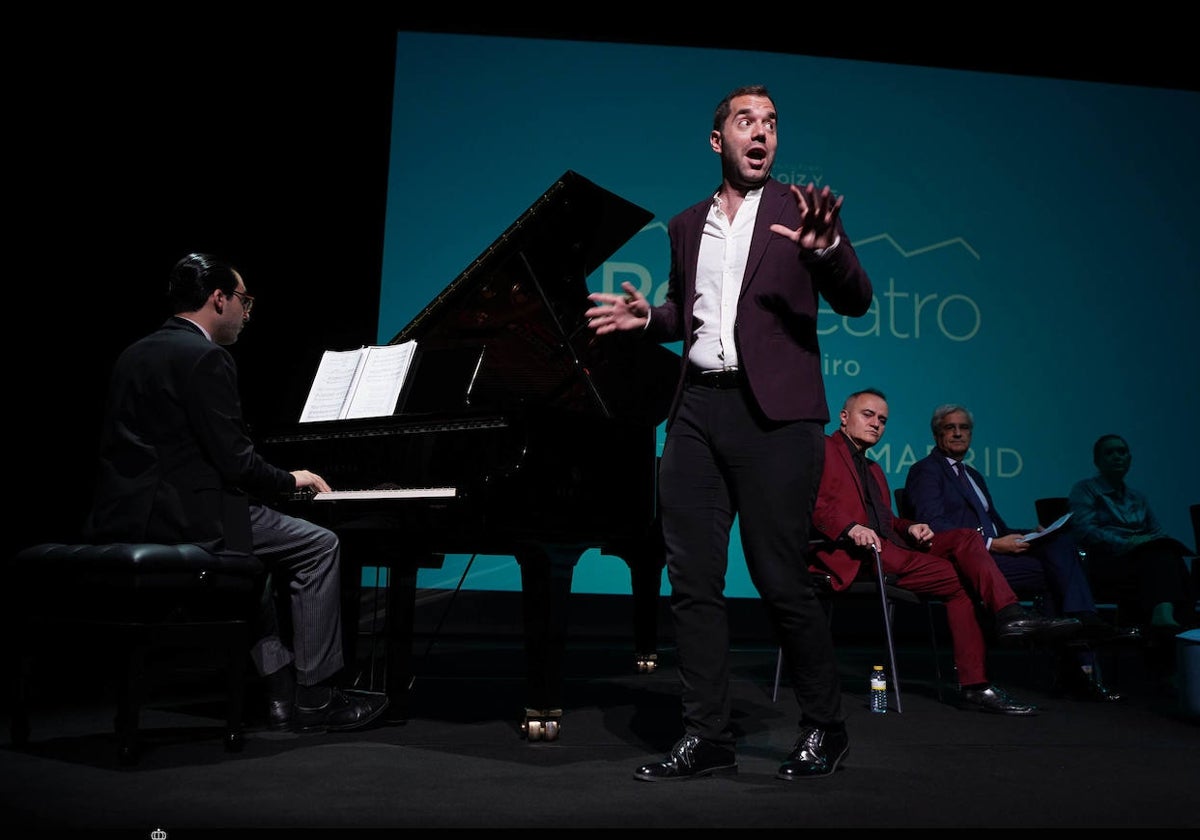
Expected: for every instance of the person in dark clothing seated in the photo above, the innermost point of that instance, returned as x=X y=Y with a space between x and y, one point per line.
x=1127 y=545
x=177 y=466
x=945 y=491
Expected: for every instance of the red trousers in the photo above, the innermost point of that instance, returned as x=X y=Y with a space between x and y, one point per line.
x=957 y=568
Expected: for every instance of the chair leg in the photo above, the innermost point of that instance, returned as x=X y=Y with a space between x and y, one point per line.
x=933 y=646
x=130 y=693
x=778 y=675
x=19 y=729
x=828 y=606
x=236 y=689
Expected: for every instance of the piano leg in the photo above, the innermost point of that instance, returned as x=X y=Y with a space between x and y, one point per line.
x=398 y=638
x=645 y=576
x=395 y=632
x=546 y=574
x=646 y=559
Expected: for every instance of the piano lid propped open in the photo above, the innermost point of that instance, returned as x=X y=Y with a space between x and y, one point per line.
x=517 y=313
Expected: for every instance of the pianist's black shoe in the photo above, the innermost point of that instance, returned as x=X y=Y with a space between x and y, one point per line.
x=342 y=711
x=690 y=758
x=281 y=699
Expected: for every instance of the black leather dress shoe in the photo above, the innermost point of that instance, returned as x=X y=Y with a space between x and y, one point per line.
x=1096 y=692
x=342 y=712
x=1074 y=683
x=1020 y=623
x=281 y=699
x=818 y=752
x=690 y=758
x=1132 y=635
x=994 y=700
x=279 y=714
x=1096 y=629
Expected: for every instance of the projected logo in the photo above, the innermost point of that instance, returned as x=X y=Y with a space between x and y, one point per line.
x=919 y=337
x=899 y=310
x=902 y=312
x=642 y=261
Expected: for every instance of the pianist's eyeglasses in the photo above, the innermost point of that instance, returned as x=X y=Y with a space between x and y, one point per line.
x=247 y=300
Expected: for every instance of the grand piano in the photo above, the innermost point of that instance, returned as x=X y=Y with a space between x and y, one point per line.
x=518 y=433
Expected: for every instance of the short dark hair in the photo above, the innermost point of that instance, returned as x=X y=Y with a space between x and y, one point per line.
x=195 y=277
x=725 y=105
x=1100 y=442
x=874 y=392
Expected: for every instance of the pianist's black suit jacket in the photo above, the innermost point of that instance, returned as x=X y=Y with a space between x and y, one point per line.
x=176 y=462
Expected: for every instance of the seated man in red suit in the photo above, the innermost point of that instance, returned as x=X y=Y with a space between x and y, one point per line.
x=853 y=514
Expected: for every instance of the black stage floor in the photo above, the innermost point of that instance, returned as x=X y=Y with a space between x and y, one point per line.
x=459 y=760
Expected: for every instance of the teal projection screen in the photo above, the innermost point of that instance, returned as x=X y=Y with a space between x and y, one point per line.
x=1033 y=242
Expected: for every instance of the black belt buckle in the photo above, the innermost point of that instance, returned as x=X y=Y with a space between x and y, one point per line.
x=716 y=378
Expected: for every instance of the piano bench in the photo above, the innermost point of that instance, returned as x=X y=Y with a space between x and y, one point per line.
x=123 y=601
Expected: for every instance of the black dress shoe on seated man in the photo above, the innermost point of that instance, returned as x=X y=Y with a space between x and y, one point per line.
x=281 y=699
x=818 y=752
x=341 y=711
x=1015 y=622
x=690 y=758
x=279 y=714
x=1077 y=684
x=1095 y=691
x=994 y=700
x=1126 y=634
x=1096 y=629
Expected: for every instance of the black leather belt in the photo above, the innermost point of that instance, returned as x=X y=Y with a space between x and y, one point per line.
x=731 y=378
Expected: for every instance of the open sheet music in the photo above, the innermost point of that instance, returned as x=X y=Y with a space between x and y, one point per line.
x=358 y=383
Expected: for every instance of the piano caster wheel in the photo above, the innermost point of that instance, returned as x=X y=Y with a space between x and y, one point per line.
x=541 y=725
x=647 y=663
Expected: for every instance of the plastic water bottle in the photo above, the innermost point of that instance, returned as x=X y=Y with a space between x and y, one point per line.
x=879 y=690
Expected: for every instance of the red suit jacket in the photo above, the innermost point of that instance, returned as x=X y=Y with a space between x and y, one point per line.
x=841 y=503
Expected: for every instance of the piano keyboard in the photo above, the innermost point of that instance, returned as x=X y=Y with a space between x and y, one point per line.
x=389 y=493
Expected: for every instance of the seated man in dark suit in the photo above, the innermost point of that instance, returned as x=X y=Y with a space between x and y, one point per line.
x=947 y=493
x=177 y=465
x=853 y=513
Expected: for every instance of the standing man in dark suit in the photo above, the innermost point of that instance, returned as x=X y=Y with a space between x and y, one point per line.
x=177 y=466
x=748 y=266
x=947 y=493
x=853 y=514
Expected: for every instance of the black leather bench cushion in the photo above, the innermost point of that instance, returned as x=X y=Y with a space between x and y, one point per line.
x=139 y=580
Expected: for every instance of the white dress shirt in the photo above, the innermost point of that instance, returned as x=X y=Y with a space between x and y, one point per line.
x=724 y=247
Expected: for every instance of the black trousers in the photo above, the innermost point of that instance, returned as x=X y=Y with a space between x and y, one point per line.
x=1151 y=574
x=723 y=459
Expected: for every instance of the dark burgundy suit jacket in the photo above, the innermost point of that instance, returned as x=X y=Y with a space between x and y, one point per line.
x=777 y=311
